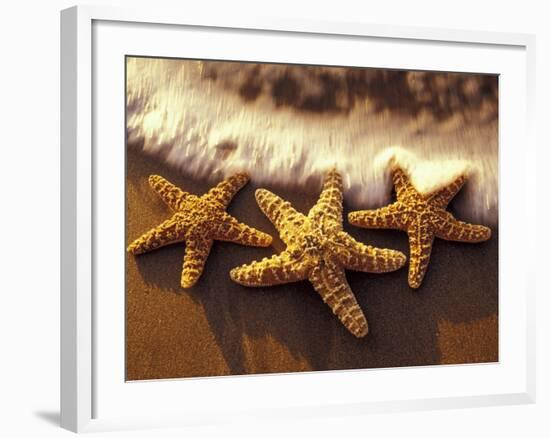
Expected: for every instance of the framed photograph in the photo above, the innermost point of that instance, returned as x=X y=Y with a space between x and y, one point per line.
x=288 y=218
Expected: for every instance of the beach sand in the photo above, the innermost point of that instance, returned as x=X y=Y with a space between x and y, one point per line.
x=221 y=328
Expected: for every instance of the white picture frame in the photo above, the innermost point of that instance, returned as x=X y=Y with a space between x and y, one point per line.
x=82 y=372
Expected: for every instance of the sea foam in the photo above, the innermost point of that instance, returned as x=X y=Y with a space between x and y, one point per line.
x=212 y=119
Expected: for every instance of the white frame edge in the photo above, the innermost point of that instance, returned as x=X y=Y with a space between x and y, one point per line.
x=76 y=220
x=77 y=199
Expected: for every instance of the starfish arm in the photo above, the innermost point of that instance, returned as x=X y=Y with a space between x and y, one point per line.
x=278 y=269
x=402 y=183
x=420 y=242
x=330 y=283
x=443 y=196
x=458 y=231
x=328 y=208
x=390 y=217
x=197 y=249
x=230 y=229
x=359 y=257
x=223 y=193
x=168 y=232
x=281 y=214
x=171 y=195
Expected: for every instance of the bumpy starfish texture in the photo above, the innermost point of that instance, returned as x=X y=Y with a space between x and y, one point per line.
x=198 y=221
x=423 y=217
x=318 y=250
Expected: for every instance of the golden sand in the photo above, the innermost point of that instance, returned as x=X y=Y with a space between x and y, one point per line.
x=219 y=327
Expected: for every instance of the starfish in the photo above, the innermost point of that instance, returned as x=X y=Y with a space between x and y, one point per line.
x=423 y=217
x=198 y=221
x=318 y=250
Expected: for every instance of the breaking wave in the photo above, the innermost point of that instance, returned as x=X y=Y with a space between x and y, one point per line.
x=286 y=125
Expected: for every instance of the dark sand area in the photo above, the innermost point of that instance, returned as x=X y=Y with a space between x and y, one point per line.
x=220 y=328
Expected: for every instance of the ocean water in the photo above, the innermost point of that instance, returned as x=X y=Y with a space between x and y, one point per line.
x=286 y=125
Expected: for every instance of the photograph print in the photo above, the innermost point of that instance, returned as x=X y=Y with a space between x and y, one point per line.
x=283 y=218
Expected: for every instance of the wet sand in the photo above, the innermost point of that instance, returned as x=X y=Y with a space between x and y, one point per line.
x=221 y=328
